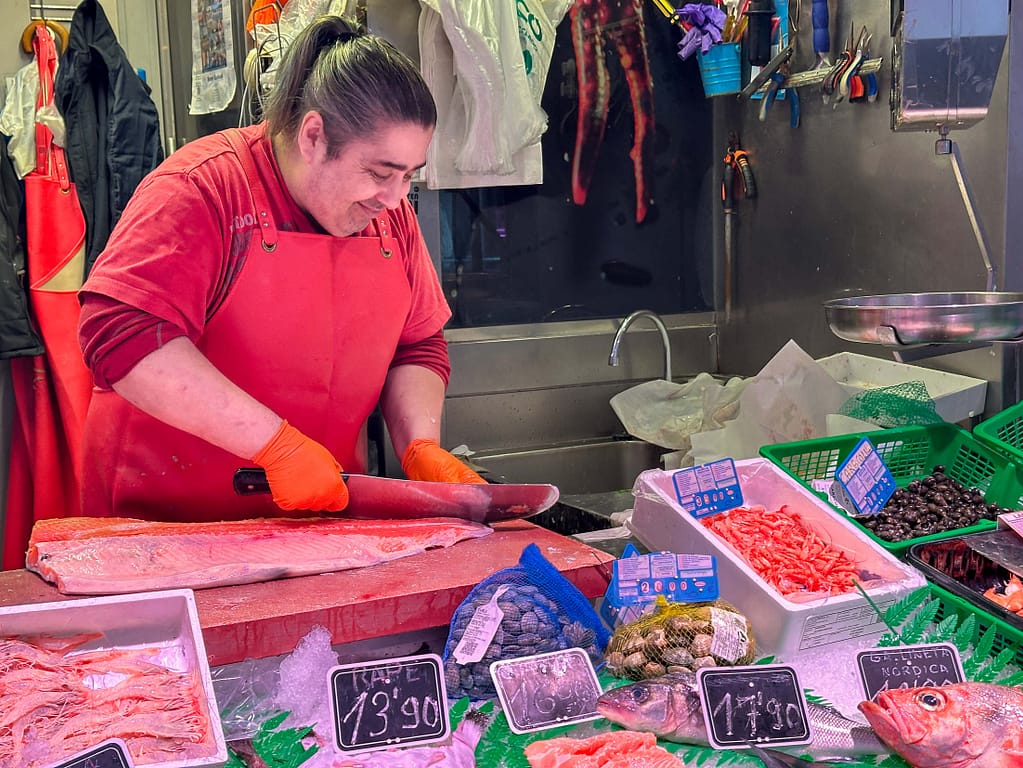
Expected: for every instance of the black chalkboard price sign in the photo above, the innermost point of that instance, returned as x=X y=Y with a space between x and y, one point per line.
x=110 y=754
x=391 y=703
x=547 y=690
x=908 y=666
x=758 y=704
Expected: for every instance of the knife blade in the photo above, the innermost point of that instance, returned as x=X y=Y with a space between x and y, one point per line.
x=386 y=498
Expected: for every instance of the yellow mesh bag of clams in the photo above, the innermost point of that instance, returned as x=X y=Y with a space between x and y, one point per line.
x=681 y=637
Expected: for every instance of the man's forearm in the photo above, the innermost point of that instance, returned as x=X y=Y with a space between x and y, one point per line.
x=412 y=402
x=179 y=386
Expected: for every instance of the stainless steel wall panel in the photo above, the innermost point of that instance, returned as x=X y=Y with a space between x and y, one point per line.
x=517 y=386
x=847 y=207
x=529 y=357
x=536 y=417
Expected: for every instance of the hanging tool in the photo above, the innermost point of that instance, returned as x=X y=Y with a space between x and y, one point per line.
x=821 y=33
x=760 y=14
x=765 y=74
x=736 y=164
x=778 y=82
x=871 y=78
x=831 y=82
x=856 y=54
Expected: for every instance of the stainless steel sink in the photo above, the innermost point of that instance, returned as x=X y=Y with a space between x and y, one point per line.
x=595 y=480
x=583 y=468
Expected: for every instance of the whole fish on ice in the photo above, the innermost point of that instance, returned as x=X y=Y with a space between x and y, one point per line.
x=670 y=707
x=966 y=725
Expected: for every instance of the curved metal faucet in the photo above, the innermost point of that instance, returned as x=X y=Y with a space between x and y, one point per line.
x=656 y=320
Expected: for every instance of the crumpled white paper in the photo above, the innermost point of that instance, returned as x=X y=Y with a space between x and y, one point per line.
x=790 y=399
x=666 y=414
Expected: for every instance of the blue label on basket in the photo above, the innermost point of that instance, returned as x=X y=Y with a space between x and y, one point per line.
x=708 y=488
x=865 y=479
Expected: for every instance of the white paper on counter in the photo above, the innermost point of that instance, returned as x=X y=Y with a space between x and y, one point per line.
x=790 y=399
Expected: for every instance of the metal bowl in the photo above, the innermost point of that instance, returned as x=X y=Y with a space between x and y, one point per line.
x=927 y=318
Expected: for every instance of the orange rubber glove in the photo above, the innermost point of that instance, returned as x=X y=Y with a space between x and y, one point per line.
x=426 y=460
x=302 y=473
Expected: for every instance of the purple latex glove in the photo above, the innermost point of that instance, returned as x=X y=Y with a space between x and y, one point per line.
x=702 y=15
x=707 y=22
x=690 y=43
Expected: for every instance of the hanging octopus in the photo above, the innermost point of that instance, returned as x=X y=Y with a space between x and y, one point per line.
x=594 y=24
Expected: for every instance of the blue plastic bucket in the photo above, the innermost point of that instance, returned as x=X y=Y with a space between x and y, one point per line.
x=720 y=70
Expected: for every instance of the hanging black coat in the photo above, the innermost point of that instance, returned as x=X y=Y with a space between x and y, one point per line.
x=17 y=334
x=113 y=130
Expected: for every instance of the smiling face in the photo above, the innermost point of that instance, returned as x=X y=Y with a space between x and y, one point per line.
x=342 y=193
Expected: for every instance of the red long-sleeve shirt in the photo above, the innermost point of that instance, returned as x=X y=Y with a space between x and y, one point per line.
x=173 y=256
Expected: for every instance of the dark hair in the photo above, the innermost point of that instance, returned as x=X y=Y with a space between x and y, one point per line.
x=356 y=81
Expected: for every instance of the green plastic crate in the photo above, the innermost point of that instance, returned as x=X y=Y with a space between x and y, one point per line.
x=1004 y=431
x=910 y=453
x=1006 y=636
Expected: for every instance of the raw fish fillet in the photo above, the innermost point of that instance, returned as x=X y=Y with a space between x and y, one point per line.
x=617 y=749
x=104 y=556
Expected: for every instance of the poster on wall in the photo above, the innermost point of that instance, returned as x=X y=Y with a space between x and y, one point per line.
x=213 y=75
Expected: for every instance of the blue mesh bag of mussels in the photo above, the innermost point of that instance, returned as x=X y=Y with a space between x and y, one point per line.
x=520 y=611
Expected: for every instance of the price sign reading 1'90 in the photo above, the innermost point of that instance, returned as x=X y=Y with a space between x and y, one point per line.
x=390 y=703
x=758 y=704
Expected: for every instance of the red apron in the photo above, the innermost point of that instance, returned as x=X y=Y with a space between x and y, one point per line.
x=309 y=329
x=51 y=391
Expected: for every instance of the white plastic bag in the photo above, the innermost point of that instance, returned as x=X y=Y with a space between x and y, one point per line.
x=486 y=64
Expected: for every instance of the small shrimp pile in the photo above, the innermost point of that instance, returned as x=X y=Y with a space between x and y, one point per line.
x=1011 y=596
x=54 y=704
x=784 y=552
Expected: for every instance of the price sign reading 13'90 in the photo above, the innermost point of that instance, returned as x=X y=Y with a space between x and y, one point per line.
x=390 y=703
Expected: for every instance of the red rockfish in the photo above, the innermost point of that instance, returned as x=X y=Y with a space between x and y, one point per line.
x=967 y=725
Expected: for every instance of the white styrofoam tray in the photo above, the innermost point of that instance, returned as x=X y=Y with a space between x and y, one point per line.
x=166 y=621
x=956 y=397
x=781 y=627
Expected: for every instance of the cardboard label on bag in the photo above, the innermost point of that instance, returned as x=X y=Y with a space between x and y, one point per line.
x=480 y=632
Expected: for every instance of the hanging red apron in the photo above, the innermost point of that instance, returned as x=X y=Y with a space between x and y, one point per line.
x=309 y=329
x=51 y=392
